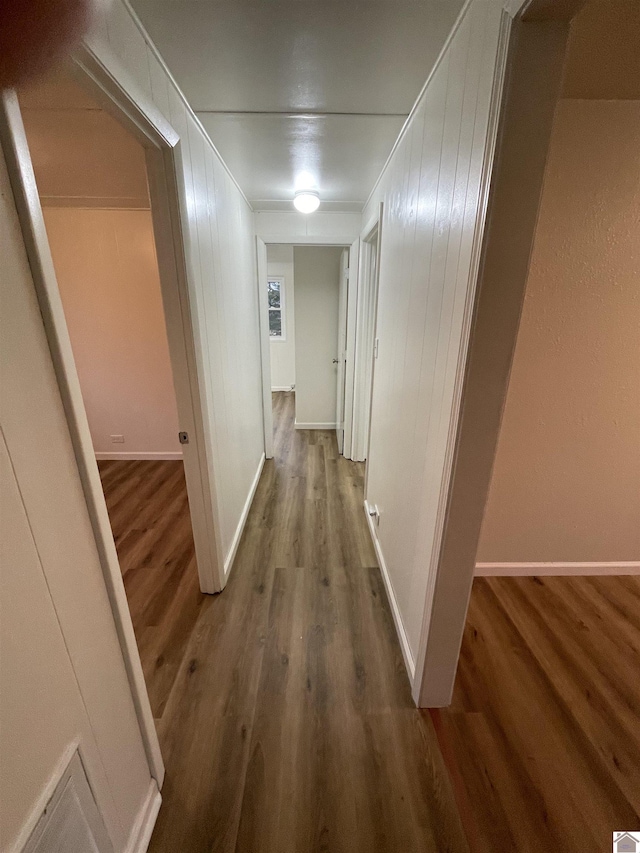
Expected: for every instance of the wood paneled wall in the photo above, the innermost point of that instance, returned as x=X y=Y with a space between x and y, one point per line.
x=432 y=193
x=219 y=234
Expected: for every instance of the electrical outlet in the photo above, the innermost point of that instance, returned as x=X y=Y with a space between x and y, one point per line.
x=117 y=439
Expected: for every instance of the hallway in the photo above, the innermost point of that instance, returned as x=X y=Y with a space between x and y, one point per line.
x=289 y=726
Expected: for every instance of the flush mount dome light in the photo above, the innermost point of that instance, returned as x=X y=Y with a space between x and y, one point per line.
x=306 y=201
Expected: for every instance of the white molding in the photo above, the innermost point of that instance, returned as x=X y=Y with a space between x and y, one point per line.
x=395 y=609
x=516 y=8
x=228 y=563
x=315 y=426
x=507 y=570
x=282 y=387
x=146 y=820
x=287 y=239
x=139 y=454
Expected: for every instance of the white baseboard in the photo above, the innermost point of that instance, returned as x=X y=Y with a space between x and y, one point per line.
x=228 y=563
x=507 y=570
x=315 y=426
x=143 y=828
x=133 y=454
x=395 y=610
x=282 y=387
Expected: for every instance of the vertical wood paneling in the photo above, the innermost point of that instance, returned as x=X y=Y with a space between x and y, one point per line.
x=431 y=194
x=219 y=237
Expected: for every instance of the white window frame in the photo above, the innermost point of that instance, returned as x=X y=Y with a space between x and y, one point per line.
x=283 y=325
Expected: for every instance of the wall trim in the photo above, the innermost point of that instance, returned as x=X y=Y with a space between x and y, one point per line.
x=395 y=609
x=282 y=387
x=139 y=454
x=237 y=536
x=315 y=426
x=146 y=820
x=507 y=570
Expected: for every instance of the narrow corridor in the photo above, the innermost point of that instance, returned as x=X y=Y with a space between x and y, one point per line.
x=289 y=726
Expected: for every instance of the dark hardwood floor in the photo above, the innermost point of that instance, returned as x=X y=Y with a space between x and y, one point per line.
x=283 y=707
x=149 y=514
x=543 y=736
x=282 y=704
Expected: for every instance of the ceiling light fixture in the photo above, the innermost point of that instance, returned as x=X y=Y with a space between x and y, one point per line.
x=306 y=201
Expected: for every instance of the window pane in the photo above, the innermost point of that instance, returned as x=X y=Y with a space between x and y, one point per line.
x=275 y=323
x=274 y=294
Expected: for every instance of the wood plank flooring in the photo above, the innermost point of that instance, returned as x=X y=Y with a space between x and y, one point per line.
x=282 y=704
x=149 y=513
x=543 y=735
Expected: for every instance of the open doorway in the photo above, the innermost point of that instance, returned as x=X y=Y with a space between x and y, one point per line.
x=306 y=315
x=92 y=184
x=366 y=348
x=544 y=677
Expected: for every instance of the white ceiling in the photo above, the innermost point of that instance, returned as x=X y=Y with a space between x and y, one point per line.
x=289 y=88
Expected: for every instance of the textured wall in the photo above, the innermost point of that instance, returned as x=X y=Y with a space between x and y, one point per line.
x=566 y=481
x=603 y=59
x=107 y=272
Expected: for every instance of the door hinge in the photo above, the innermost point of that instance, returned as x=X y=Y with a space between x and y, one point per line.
x=183 y=437
x=376 y=347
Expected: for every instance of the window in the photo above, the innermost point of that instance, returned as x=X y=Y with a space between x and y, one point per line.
x=276 y=308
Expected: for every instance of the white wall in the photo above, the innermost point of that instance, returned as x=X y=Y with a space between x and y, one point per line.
x=317 y=287
x=107 y=272
x=321 y=227
x=430 y=189
x=40 y=713
x=219 y=235
x=283 y=352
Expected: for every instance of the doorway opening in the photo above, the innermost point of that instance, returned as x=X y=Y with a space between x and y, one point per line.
x=96 y=205
x=366 y=347
x=306 y=313
x=544 y=487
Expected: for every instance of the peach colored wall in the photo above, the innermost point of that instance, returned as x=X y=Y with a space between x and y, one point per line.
x=566 y=480
x=603 y=59
x=108 y=276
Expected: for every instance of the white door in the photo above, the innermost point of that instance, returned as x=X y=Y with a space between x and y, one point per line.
x=265 y=351
x=341 y=354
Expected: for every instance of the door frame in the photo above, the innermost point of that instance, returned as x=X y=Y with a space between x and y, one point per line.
x=365 y=335
x=168 y=204
x=350 y=361
x=341 y=384
x=527 y=81
x=265 y=346
x=265 y=343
